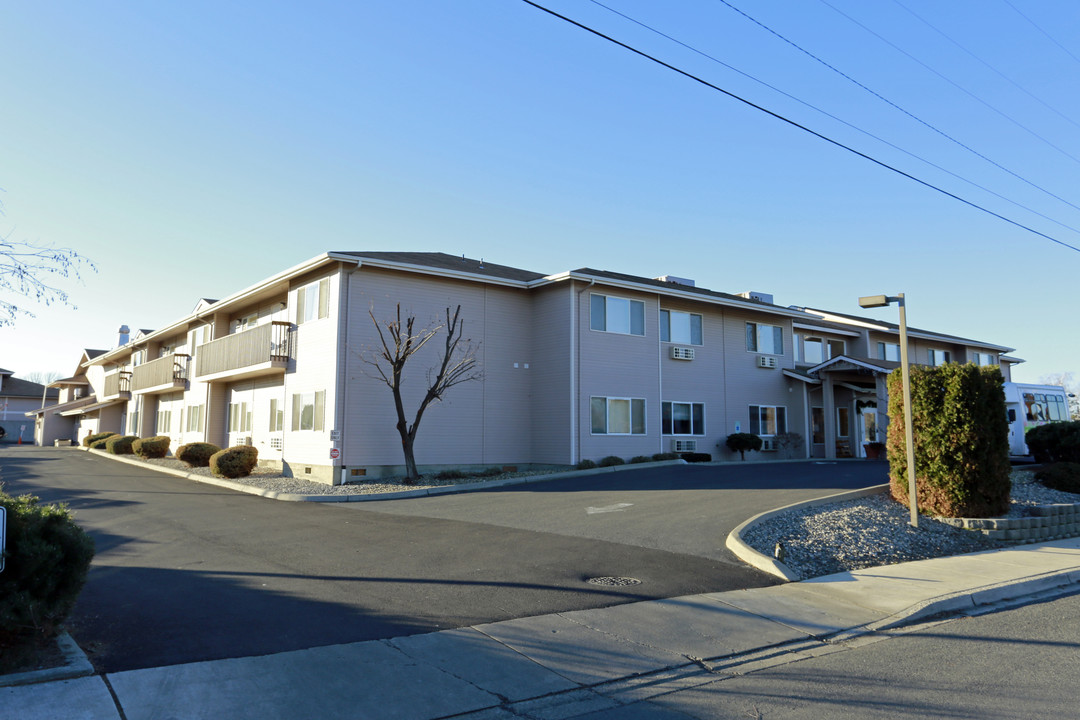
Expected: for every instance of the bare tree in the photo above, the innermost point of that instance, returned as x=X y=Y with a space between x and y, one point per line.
x=25 y=270
x=400 y=342
x=1072 y=387
x=42 y=378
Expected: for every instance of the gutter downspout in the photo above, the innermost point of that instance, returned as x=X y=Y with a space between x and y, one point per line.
x=575 y=373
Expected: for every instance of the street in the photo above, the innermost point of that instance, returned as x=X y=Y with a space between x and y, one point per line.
x=187 y=571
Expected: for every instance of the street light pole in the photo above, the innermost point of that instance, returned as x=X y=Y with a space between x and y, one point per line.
x=905 y=375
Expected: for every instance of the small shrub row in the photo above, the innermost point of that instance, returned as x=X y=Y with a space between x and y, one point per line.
x=152 y=447
x=89 y=440
x=694 y=457
x=613 y=460
x=120 y=444
x=196 y=454
x=234 y=462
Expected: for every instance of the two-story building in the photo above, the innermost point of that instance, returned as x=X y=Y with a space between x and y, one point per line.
x=579 y=364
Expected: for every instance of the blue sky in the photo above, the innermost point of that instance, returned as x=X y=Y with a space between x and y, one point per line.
x=192 y=149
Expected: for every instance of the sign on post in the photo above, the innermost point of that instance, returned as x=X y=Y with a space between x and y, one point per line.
x=334 y=453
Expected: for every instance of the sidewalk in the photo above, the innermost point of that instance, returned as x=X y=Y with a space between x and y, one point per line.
x=562 y=665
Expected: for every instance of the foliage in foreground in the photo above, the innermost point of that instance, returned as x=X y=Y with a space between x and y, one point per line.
x=196 y=454
x=1055 y=442
x=234 y=462
x=1063 y=476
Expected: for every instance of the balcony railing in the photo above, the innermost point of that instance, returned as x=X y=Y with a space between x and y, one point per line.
x=266 y=347
x=162 y=374
x=118 y=384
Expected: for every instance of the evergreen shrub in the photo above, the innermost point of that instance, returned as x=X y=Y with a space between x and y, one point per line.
x=1055 y=442
x=666 y=456
x=452 y=474
x=637 y=459
x=120 y=444
x=611 y=461
x=1063 y=476
x=693 y=457
x=99 y=444
x=152 y=447
x=89 y=440
x=45 y=567
x=234 y=462
x=586 y=464
x=961 y=435
x=196 y=454
x=741 y=442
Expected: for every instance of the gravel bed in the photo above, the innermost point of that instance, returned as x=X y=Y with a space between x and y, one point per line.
x=270 y=479
x=874 y=531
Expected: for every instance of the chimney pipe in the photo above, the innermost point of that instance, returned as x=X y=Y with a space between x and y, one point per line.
x=124 y=335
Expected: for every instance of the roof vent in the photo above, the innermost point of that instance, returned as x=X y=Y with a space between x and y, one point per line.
x=677 y=280
x=757 y=296
x=125 y=332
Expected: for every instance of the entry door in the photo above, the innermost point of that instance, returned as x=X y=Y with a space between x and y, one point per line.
x=867 y=428
x=817 y=432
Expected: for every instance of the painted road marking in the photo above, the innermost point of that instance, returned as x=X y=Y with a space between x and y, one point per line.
x=617 y=507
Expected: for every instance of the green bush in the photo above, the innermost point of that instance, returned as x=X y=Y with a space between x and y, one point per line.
x=961 y=436
x=665 y=456
x=152 y=447
x=196 y=454
x=741 y=442
x=1055 y=442
x=451 y=475
x=1063 y=476
x=637 y=459
x=611 y=461
x=234 y=462
x=585 y=465
x=99 y=444
x=89 y=440
x=47 y=559
x=692 y=457
x=120 y=444
x=490 y=472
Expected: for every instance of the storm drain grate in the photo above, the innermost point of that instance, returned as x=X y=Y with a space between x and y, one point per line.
x=613 y=581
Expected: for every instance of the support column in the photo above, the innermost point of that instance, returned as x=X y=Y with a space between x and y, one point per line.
x=828 y=404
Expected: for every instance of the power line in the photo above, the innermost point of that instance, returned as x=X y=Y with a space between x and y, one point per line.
x=897 y=107
x=1000 y=74
x=833 y=117
x=1048 y=35
x=962 y=89
x=816 y=134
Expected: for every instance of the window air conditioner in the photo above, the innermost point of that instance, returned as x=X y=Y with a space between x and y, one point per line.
x=681 y=446
x=682 y=353
x=767 y=361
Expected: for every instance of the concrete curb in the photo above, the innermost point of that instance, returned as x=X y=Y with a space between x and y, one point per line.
x=76 y=665
x=371 y=497
x=763 y=562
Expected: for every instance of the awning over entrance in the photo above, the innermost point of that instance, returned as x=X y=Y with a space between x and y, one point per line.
x=85 y=409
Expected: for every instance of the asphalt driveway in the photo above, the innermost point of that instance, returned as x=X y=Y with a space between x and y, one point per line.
x=186 y=571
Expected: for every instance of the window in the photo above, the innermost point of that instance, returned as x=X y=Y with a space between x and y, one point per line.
x=308 y=410
x=938 y=357
x=813 y=350
x=888 y=351
x=313 y=301
x=682 y=418
x=195 y=418
x=247 y=322
x=768 y=420
x=617 y=315
x=239 y=417
x=164 y=422
x=768 y=339
x=985 y=359
x=277 y=416
x=843 y=422
x=680 y=327
x=618 y=416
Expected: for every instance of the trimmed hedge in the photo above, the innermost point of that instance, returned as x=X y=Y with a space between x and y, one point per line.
x=741 y=442
x=637 y=459
x=234 y=462
x=152 y=447
x=120 y=444
x=196 y=454
x=961 y=434
x=99 y=444
x=1055 y=442
x=89 y=440
x=666 y=456
x=48 y=556
x=1063 y=476
x=586 y=464
x=611 y=461
x=693 y=457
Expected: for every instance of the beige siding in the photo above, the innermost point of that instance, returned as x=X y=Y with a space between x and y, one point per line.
x=550 y=375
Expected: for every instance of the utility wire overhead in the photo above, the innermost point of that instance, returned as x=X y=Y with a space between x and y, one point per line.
x=834 y=117
x=993 y=69
x=962 y=89
x=1037 y=27
x=897 y=107
x=816 y=134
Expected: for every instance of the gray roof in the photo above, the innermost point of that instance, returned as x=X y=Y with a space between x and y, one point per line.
x=443 y=261
x=17 y=387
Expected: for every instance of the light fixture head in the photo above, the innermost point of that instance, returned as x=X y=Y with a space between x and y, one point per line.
x=873 y=301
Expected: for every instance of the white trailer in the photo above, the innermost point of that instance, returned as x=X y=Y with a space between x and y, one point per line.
x=1030 y=406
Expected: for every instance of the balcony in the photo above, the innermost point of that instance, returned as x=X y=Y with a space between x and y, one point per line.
x=117 y=385
x=263 y=350
x=163 y=375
